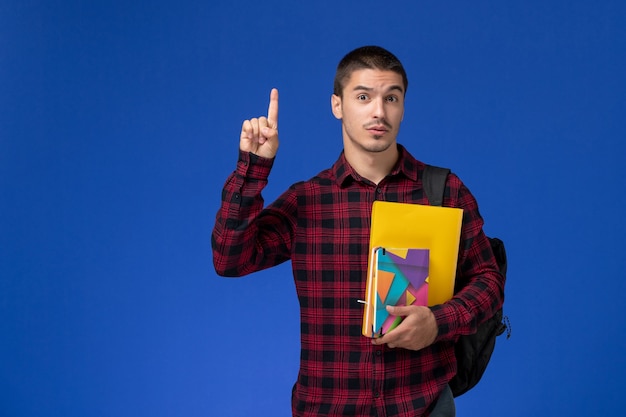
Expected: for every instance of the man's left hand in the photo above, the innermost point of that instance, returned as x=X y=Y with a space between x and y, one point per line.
x=417 y=331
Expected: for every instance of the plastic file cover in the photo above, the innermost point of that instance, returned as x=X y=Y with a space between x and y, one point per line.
x=403 y=227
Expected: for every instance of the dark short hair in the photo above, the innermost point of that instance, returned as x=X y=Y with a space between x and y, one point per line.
x=367 y=57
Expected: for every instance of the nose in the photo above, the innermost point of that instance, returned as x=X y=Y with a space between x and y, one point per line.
x=379 y=108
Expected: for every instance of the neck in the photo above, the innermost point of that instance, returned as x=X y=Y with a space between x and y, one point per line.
x=373 y=165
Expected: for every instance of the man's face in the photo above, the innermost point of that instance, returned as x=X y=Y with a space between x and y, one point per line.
x=371 y=110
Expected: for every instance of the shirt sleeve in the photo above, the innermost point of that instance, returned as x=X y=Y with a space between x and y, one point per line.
x=479 y=284
x=248 y=237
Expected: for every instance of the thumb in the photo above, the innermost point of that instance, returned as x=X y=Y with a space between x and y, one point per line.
x=399 y=310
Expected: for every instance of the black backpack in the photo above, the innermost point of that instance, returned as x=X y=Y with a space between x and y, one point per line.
x=472 y=351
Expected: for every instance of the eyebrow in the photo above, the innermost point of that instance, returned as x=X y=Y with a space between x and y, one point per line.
x=392 y=88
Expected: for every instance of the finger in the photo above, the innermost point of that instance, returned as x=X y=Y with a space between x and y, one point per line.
x=246 y=129
x=263 y=130
x=255 y=127
x=272 y=111
x=401 y=311
x=387 y=339
x=377 y=341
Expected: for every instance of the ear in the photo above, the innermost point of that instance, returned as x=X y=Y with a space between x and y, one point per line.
x=335 y=105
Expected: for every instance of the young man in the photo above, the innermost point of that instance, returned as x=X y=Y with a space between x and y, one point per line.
x=322 y=225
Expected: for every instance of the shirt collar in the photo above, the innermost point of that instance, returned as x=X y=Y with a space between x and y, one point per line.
x=407 y=165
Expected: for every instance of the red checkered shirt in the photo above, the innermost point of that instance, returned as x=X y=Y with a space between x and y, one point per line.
x=323 y=226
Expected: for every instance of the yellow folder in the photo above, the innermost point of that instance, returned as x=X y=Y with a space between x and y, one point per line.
x=414 y=226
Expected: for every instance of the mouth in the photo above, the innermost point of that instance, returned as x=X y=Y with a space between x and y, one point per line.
x=377 y=130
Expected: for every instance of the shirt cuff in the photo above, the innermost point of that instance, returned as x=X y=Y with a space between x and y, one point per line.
x=444 y=316
x=250 y=165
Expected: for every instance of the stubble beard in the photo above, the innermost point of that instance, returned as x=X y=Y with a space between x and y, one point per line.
x=377 y=147
x=380 y=145
x=376 y=144
x=373 y=143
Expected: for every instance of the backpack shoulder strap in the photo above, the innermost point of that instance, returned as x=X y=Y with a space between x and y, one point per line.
x=434 y=182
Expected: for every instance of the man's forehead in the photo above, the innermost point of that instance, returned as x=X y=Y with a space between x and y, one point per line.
x=366 y=79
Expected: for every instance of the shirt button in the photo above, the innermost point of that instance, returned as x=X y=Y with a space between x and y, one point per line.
x=376 y=394
x=378 y=353
x=379 y=191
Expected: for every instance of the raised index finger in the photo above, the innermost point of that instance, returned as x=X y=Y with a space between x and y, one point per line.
x=272 y=111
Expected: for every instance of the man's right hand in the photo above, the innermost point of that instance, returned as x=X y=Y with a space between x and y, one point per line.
x=260 y=135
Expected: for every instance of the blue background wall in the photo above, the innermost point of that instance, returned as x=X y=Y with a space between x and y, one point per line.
x=119 y=123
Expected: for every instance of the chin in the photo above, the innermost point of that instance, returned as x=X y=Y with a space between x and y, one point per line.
x=379 y=147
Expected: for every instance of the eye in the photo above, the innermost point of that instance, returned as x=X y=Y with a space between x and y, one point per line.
x=392 y=99
x=361 y=97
